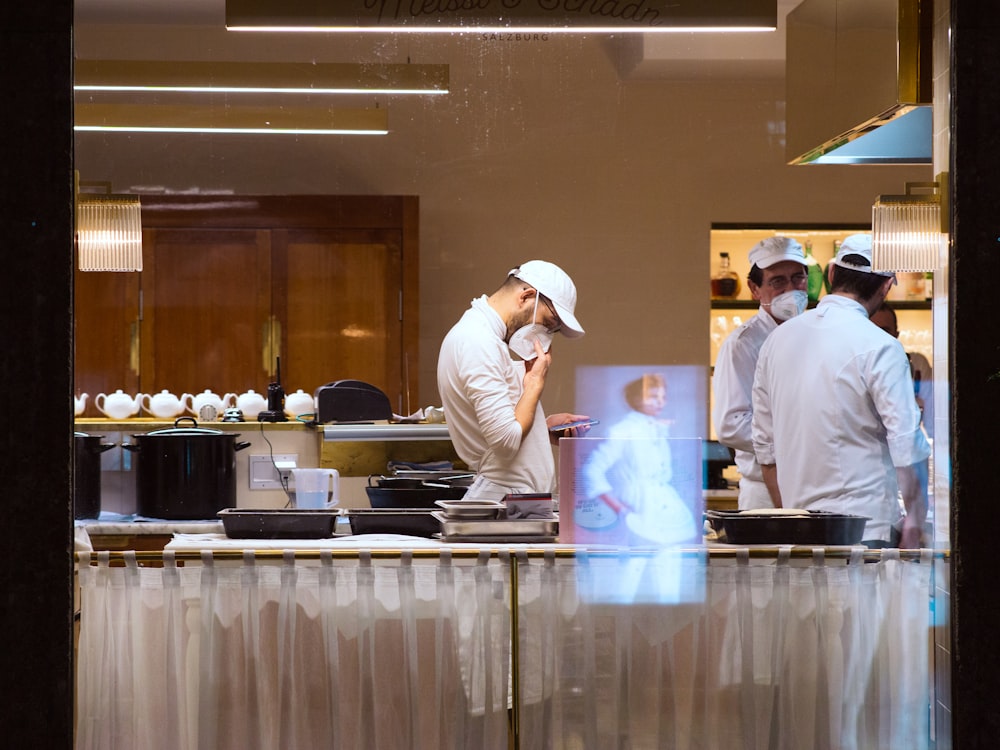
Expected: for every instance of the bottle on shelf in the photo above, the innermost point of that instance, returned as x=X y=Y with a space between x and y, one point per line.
x=725 y=282
x=814 y=274
x=826 y=271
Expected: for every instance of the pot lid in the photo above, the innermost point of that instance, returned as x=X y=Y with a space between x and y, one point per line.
x=184 y=432
x=192 y=431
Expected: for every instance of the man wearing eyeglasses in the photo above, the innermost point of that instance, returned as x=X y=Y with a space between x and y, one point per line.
x=777 y=280
x=492 y=402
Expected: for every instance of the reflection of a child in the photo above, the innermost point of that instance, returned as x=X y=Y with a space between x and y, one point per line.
x=631 y=471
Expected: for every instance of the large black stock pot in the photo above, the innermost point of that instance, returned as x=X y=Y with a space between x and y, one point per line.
x=87 y=474
x=185 y=472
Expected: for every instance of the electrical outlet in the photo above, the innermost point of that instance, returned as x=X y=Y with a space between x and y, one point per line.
x=266 y=472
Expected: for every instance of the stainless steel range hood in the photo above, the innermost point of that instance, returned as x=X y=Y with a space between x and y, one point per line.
x=858 y=82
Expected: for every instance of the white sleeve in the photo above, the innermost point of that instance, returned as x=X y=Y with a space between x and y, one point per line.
x=763 y=419
x=489 y=392
x=732 y=385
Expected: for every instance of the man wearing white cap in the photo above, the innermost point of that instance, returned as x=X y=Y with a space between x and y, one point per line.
x=835 y=424
x=778 y=280
x=492 y=403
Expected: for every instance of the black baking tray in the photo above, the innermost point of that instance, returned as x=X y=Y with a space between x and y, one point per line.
x=278 y=523
x=818 y=527
x=410 y=521
x=403 y=493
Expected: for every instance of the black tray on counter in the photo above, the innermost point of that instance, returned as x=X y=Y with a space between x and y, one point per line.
x=817 y=527
x=279 y=523
x=410 y=521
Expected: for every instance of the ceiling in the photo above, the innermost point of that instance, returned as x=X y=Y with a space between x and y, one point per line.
x=681 y=56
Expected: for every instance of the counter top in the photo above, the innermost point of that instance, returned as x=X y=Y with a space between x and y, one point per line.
x=386 y=431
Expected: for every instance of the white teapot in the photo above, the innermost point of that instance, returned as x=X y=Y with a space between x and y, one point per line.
x=79 y=404
x=251 y=404
x=298 y=403
x=164 y=404
x=208 y=398
x=118 y=405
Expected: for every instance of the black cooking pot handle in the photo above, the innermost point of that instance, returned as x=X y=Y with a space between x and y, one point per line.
x=131 y=447
x=192 y=420
x=105 y=447
x=241 y=446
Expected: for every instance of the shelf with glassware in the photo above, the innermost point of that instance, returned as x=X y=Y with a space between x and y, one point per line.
x=910 y=297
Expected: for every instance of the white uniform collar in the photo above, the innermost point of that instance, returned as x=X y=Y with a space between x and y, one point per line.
x=483 y=306
x=839 y=300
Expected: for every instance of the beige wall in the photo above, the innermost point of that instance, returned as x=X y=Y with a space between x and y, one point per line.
x=539 y=151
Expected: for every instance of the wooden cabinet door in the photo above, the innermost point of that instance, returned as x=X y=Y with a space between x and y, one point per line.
x=106 y=336
x=337 y=298
x=208 y=297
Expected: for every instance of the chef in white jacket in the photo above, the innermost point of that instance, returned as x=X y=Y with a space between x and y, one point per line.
x=492 y=401
x=835 y=423
x=777 y=279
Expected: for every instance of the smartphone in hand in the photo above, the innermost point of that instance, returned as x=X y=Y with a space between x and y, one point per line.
x=571 y=425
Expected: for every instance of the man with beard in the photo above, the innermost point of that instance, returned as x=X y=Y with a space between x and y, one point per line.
x=492 y=402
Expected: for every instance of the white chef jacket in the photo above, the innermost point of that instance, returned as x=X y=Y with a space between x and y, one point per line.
x=732 y=413
x=480 y=384
x=833 y=407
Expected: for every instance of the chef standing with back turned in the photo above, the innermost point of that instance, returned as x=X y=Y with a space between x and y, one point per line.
x=777 y=279
x=492 y=402
x=835 y=423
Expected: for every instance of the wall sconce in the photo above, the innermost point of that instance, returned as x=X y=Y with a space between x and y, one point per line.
x=108 y=231
x=907 y=230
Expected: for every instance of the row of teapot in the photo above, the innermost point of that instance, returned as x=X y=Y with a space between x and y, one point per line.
x=166 y=405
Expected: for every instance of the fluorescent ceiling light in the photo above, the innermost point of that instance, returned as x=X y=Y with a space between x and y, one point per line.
x=580 y=16
x=251 y=77
x=160 y=118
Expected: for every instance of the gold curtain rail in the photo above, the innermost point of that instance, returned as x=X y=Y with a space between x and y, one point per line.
x=710 y=553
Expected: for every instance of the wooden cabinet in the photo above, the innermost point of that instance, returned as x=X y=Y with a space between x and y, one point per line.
x=230 y=283
x=337 y=301
x=106 y=334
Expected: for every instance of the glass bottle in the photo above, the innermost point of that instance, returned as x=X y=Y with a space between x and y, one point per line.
x=725 y=282
x=814 y=274
x=826 y=271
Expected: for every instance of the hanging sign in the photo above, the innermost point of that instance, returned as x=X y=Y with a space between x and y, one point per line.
x=480 y=15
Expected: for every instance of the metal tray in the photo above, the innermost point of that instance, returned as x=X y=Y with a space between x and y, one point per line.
x=278 y=523
x=497 y=529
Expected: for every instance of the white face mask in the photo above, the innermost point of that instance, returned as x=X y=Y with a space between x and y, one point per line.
x=522 y=341
x=788 y=304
